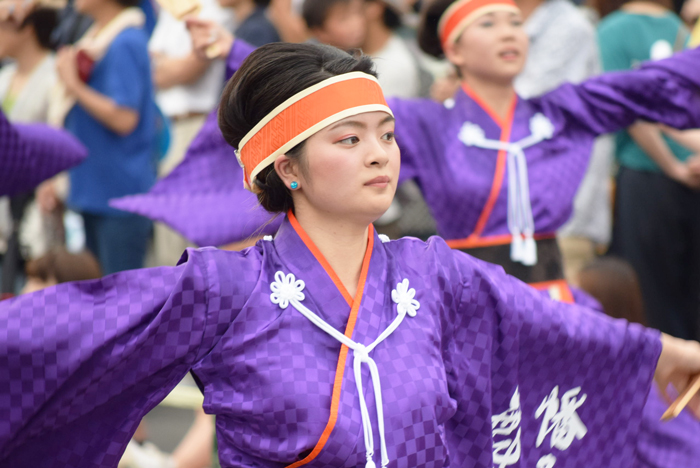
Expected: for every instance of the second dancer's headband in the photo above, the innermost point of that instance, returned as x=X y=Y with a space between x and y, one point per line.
x=305 y=114
x=462 y=13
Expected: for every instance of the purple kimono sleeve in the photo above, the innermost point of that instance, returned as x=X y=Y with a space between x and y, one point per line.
x=239 y=52
x=665 y=91
x=32 y=153
x=510 y=349
x=81 y=363
x=416 y=134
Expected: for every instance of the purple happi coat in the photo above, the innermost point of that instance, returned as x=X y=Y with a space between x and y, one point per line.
x=480 y=370
x=31 y=153
x=465 y=186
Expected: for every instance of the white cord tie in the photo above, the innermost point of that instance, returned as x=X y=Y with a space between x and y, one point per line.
x=287 y=290
x=521 y=223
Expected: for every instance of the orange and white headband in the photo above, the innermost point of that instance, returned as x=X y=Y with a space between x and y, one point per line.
x=462 y=13
x=305 y=114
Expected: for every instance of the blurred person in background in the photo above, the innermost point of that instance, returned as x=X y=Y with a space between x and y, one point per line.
x=187 y=89
x=691 y=15
x=285 y=15
x=563 y=48
x=109 y=106
x=253 y=25
x=26 y=82
x=25 y=86
x=340 y=23
x=398 y=66
x=657 y=199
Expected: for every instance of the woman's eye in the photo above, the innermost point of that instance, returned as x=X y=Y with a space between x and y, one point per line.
x=349 y=140
x=486 y=24
x=389 y=136
x=517 y=23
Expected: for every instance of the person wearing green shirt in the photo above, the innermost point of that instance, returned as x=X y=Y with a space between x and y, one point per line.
x=657 y=202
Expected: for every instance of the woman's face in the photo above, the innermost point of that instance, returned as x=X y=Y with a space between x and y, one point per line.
x=494 y=47
x=345 y=26
x=350 y=169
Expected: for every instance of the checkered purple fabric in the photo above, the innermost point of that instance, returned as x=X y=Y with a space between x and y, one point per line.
x=456 y=179
x=81 y=363
x=31 y=153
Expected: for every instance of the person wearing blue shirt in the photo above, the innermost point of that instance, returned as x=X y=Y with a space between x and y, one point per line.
x=114 y=117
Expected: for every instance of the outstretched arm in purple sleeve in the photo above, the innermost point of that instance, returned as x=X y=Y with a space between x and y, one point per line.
x=30 y=154
x=81 y=363
x=665 y=91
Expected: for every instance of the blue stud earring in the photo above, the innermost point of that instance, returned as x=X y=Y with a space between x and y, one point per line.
x=294 y=185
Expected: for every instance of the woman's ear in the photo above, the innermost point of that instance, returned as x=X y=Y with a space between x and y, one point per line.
x=287 y=169
x=452 y=54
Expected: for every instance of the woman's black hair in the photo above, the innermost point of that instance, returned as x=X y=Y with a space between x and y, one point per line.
x=428 y=37
x=272 y=74
x=392 y=19
x=43 y=21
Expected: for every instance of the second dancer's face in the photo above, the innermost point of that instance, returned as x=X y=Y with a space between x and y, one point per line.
x=494 y=47
x=351 y=168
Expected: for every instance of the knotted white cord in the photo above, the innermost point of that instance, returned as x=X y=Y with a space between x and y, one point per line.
x=521 y=223
x=288 y=290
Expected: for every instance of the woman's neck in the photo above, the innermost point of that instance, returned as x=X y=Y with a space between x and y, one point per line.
x=342 y=243
x=28 y=57
x=645 y=8
x=528 y=6
x=496 y=95
x=106 y=13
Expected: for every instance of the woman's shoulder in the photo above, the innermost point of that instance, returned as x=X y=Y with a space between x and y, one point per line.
x=433 y=254
x=131 y=40
x=228 y=272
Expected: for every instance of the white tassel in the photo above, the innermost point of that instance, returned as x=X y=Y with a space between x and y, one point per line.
x=516 y=248
x=529 y=257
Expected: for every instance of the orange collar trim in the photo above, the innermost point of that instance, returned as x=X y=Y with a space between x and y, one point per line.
x=462 y=13
x=352 y=320
x=305 y=114
x=488 y=109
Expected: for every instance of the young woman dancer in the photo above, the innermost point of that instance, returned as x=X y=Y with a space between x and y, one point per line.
x=498 y=172
x=327 y=345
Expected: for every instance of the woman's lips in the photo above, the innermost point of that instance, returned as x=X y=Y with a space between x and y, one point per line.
x=381 y=181
x=509 y=55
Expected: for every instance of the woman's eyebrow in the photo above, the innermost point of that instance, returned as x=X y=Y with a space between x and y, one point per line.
x=349 y=123
x=360 y=124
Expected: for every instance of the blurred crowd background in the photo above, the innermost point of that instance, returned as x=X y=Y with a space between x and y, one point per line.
x=148 y=93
